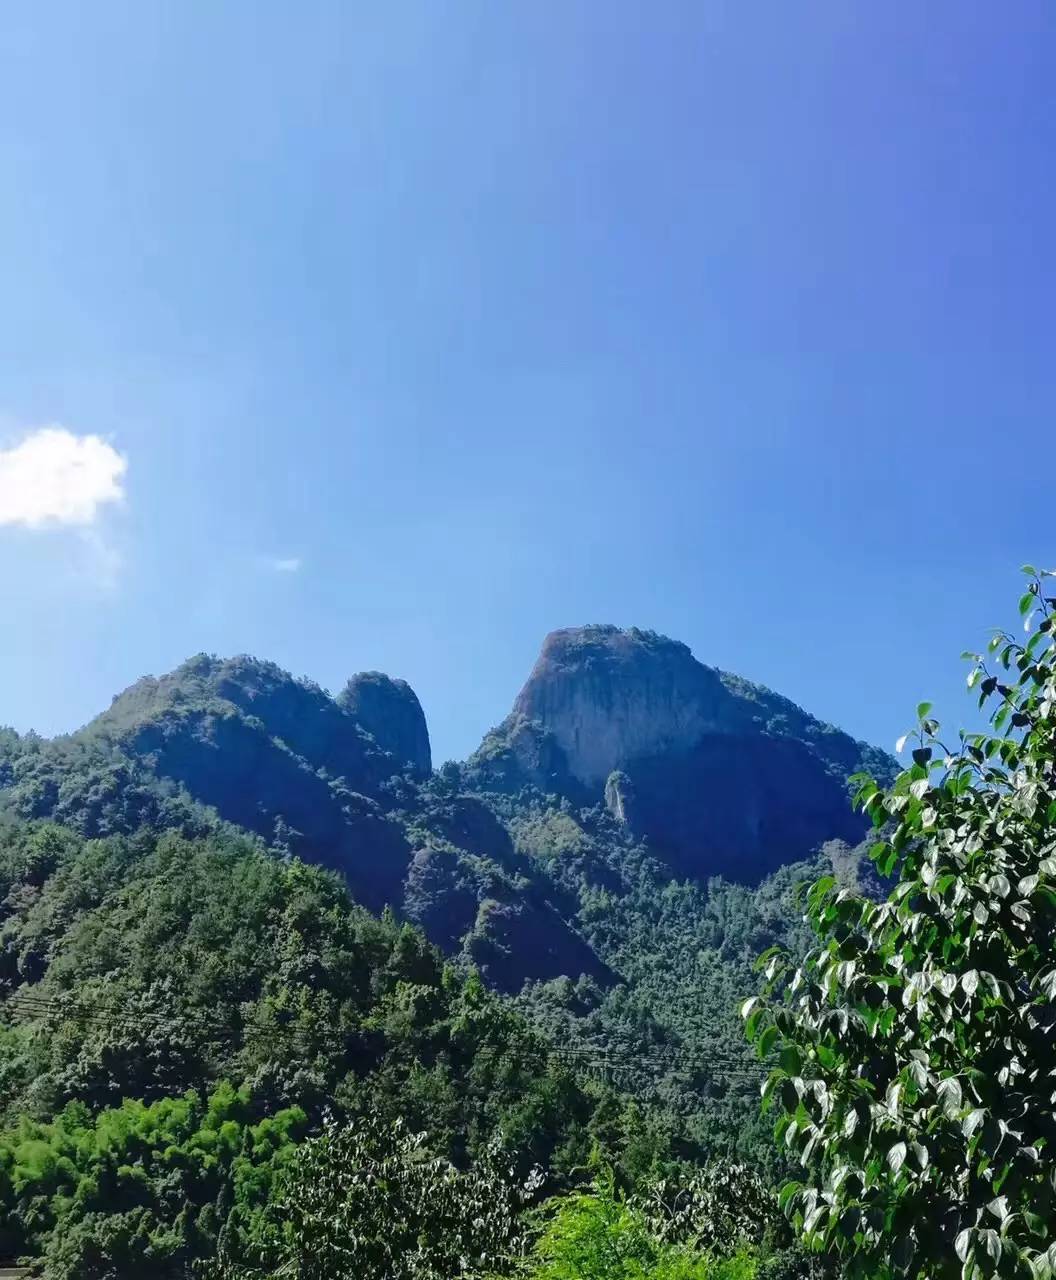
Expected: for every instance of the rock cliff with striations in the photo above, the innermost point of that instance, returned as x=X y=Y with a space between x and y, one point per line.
x=720 y=775
x=609 y=696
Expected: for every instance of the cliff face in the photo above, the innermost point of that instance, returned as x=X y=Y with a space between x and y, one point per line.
x=609 y=696
x=389 y=710
x=270 y=753
x=303 y=716
x=720 y=775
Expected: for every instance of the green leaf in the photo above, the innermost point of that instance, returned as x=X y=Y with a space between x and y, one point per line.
x=896 y=1157
x=999 y=885
x=787 y=1193
x=950 y=1095
x=792 y=1060
x=922 y=709
x=972 y=1121
x=767 y=1040
x=999 y=1208
x=918 y=1073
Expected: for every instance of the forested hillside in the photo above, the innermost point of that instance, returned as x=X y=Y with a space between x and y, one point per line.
x=234 y=905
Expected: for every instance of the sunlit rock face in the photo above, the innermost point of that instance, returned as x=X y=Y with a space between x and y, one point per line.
x=720 y=775
x=609 y=696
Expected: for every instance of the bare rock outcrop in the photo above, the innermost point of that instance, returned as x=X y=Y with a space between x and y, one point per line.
x=609 y=696
x=720 y=775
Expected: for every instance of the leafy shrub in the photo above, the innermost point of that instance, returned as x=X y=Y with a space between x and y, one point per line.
x=139 y=1190
x=370 y=1200
x=600 y=1235
x=914 y=1076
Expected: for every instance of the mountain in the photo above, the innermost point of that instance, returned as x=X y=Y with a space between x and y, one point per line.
x=186 y=894
x=338 y=782
x=642 y=750
x=719 y=775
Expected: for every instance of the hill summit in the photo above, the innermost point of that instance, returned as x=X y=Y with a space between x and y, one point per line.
x=719 y=774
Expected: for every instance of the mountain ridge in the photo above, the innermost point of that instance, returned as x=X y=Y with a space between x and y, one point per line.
x=643 y=747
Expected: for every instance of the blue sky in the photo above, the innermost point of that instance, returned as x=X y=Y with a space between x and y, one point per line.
x=422 y=329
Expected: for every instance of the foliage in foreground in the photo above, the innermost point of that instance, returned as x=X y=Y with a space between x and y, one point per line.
x=599 y=1235
x=146 y=970
x=371 y=1201
x=916 y=1079
x=140 y=1191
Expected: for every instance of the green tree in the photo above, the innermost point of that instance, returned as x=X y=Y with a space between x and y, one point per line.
x=598 y=1234
x=915 y=1078
x=139 y=1190
x=369 y=1200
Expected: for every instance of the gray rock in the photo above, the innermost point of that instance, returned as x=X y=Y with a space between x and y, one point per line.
x=720 y=775
x=609 y=696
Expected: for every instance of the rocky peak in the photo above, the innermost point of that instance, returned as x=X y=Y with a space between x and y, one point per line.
x=719 y=775
x=610 y=695
x=390 y=712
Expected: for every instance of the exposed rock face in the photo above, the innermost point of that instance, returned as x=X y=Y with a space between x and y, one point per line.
x=720 y=775
x=619 y=797
x=390 y=712
x=321 y=778
x=521 y=751
x=265 y=750
x=609 y=696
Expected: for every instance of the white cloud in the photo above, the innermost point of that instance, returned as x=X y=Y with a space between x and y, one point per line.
x=286 y=564
x=53 y=477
